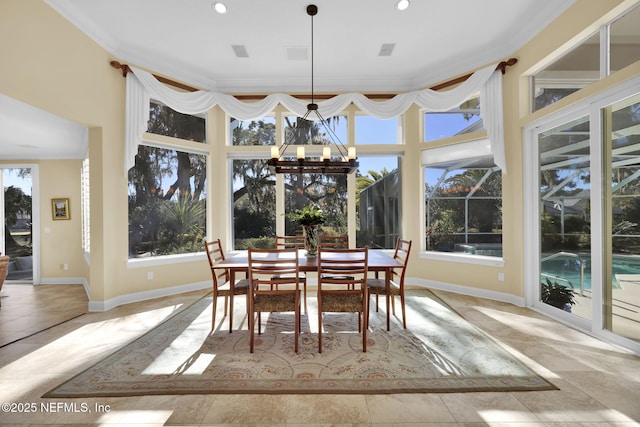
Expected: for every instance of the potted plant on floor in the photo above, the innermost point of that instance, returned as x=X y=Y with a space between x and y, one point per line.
x=309 y=217
x=557 y=295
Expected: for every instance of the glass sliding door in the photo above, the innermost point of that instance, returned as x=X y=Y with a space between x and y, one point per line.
x=564 y=197
x=583 y=214
x=621 y=290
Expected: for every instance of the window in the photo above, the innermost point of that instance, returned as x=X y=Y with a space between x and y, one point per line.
x=329 y=192
x=622 y=198
x=165 y=121
x=378 y=202
x=255 y=132
x=299 y=131
x=569 y=73
x=168 y=186
x=463 y=196
x=461 y=120
x=624 y=36
x=258 y=213
x=565 y=202
x=583 y=64
x=370 y=130
x=254 y=204
x=167 y=202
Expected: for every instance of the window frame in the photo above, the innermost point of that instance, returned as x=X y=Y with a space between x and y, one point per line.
x=85 y=192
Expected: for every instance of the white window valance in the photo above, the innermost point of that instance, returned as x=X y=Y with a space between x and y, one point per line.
x=142 y=86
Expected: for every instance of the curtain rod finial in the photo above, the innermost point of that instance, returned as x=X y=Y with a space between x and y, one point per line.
x=504 y=64
x=118 y=66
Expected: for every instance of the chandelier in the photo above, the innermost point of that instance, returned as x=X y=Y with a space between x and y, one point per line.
x=344 y=162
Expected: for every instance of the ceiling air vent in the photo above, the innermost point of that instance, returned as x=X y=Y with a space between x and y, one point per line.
x=386 y=49
x=240 y=50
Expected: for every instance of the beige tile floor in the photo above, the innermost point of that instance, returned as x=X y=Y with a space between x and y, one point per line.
x=599 y=384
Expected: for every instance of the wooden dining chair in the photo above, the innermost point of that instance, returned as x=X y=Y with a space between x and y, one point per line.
x=342 y=286
x=4 y=270
x=269 y=267
x=333 y=242
x=287 y=242
x=297 y=242
x=221 y=284
x=377 y=286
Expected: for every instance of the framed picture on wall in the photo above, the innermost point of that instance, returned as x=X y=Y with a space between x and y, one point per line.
x=60 y=209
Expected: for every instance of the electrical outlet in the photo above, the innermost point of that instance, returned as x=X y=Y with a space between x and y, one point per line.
x=501 y=276
x=149 y=275
x=65 y=266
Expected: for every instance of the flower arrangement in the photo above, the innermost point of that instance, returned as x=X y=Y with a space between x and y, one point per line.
x=308 y=215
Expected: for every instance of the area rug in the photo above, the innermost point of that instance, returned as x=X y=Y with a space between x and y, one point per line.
x=440 y=352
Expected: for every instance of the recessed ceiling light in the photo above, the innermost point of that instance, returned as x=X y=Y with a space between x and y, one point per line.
x=219 y=7
x=402 y=4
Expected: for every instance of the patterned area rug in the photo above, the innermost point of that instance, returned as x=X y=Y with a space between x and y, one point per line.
x=439 y=352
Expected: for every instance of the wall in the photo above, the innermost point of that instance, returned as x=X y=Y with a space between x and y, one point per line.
x=60 y=240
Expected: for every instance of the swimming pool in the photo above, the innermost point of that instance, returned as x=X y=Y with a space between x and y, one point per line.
x=566 y=267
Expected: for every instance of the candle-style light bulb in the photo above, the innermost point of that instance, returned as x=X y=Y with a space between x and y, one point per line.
x=352 y=153
x=275 y=153
x=326 y=153
x=300 y=153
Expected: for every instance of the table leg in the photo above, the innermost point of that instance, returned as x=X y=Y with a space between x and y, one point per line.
x=232 y=281
x=387 y=288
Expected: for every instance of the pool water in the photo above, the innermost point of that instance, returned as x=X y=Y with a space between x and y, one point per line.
x=566 y=270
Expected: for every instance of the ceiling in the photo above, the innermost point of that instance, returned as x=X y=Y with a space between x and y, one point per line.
x=29 y=133
x=434 y=40
x=431 y=41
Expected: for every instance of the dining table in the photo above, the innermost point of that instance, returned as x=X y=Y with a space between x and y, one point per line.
x=378 y=261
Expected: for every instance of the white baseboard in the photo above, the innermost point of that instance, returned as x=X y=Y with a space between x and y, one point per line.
x=466 y=290
x=99 y=306
x=312 y=284
x=61 y=281
x=147 y=295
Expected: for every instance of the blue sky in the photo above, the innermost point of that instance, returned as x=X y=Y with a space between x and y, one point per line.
x=10 y=178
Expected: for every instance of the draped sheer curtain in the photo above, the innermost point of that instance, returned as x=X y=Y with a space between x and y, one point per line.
x=142 y=86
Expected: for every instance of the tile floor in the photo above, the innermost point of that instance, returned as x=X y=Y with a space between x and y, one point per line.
x=599 y=384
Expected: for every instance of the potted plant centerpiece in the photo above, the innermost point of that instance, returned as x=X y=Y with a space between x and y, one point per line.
x=309 y=217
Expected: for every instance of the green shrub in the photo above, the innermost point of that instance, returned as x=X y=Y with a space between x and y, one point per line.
x=556 y=295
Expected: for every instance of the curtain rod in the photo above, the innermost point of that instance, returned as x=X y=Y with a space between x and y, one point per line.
x=502 y=66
